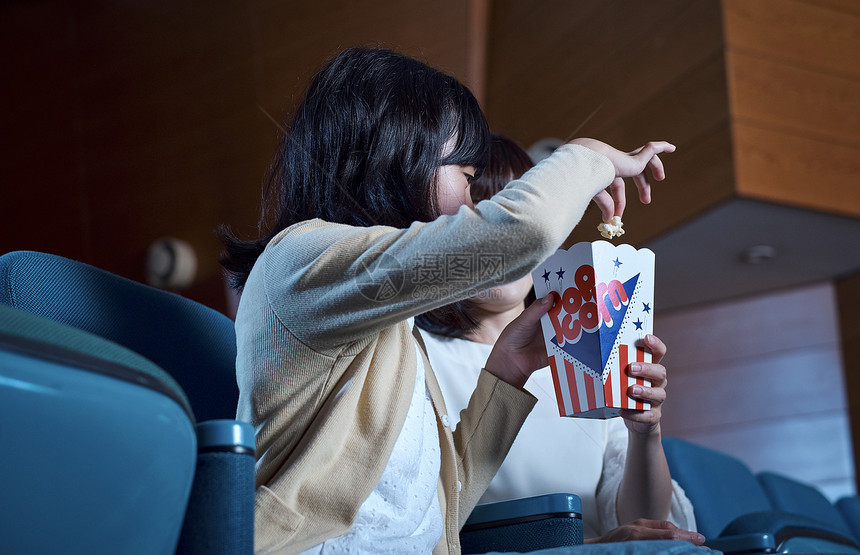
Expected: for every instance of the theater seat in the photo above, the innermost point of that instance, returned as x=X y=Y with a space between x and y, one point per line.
x=734 y=512
x=720 y=487
x=99 y=447
x=849 y=508
x=792 y=496
x=193 y=344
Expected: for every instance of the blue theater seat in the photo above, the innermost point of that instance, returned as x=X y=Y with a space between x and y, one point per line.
x=99 y=446
x=720 y=487
x=193 y=344
x=734 y=512
x=792 y=496
x=849 y=508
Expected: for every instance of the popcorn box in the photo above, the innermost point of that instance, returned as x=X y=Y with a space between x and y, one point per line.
x=604 y=304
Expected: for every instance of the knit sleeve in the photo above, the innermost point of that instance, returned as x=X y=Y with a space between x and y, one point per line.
x=335 y=283
x=485 y=433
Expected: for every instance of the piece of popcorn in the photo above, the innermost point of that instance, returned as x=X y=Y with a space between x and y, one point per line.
x=612 y=228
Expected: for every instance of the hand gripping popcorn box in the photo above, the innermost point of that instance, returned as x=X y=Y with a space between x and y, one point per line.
x=604 y=306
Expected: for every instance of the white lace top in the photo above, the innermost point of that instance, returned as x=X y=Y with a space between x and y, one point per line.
x=402 y=514
x=550 y=454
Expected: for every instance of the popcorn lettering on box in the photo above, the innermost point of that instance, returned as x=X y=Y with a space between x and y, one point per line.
x=604 y=304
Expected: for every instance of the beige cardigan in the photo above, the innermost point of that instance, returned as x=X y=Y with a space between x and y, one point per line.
x=326 y=360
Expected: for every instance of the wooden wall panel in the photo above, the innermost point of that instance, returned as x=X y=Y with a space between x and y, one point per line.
x=583 y=79
x=815 y=449
x=698 y=177
x=796 y=169
x=794 y=79
x=686 y=110
x=745 y=328
x=39 y=155
x=583 y=70
x=817 y=33
x=795 y=99
x=804 y=380
x=294 y=38
x=136 y=120
x=693 y=113
x=762 y=378
x=849 y=7
x=479 y=33
x=164 y=89
x=532 y=91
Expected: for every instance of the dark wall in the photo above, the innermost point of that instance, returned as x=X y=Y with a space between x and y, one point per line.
x=124 y=122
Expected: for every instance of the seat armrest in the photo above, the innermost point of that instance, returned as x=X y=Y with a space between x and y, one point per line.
x=220 y=515
x=753 y=542
x=225 y=435
x=526 y=524
x=784 y=527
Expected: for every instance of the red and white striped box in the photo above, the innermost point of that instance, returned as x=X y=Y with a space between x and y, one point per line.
x=604 y=306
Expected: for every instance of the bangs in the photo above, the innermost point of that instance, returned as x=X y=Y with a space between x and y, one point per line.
x=471 y=130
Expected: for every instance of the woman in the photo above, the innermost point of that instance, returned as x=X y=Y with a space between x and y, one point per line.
x=353 y=443
x=617 y=466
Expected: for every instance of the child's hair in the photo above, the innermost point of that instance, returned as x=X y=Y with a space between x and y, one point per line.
x=363 y=149
x=508 y=161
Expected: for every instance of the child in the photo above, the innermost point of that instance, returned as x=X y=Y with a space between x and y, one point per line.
x=552 y=454
x=354 y=444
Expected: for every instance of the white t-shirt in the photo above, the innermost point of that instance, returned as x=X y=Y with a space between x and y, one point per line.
x=402 y=514
x=551 y=454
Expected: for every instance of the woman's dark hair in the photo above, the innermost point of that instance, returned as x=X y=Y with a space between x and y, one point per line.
x=363 y=149
x=508 y=161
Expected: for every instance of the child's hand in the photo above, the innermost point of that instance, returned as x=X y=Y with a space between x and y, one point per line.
x=628 y=164
x=520 y=349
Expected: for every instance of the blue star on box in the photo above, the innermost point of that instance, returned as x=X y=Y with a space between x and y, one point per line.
x=646 y=307
x=617 y=262
x=638 y=324
x=560 y=273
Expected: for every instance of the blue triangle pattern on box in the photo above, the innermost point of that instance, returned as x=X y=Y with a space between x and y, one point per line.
x=608 y=336
x=585 y=349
